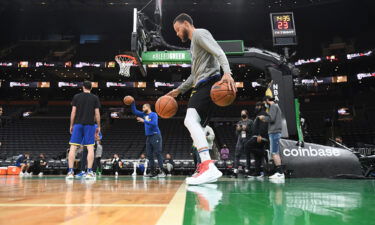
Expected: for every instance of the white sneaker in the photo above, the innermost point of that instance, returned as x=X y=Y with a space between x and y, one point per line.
x=70 y=175
x=134 y=174
x=21 y=174
x=40 y=174
x=277 y=175
x=29 y=174
x=82 y=174
x=169 y=175
x=90 y=176
x=207 y=172
x=116 y=175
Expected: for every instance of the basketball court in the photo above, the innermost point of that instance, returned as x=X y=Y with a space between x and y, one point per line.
x=53 y=200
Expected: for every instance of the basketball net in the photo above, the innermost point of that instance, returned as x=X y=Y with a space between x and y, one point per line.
x=125 y=62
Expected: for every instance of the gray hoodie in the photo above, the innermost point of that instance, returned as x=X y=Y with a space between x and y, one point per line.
x=206 y=59
x=274 y=119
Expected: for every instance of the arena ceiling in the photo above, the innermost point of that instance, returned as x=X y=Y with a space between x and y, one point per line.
x=199 y=5
x=318 y=22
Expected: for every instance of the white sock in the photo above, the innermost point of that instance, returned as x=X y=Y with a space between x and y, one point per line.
x=192 y=123
x=204 y=154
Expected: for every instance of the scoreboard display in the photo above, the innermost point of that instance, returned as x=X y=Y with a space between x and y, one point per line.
x=283 y=28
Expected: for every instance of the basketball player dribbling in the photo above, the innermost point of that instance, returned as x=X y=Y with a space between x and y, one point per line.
x=207 y=57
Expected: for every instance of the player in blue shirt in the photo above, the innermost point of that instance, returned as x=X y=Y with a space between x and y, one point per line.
x=22 y=161
x=153 y=136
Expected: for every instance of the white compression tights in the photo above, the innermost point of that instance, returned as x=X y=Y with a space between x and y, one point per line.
x=192 y=123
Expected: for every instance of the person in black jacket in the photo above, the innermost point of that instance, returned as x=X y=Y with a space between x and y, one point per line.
x=40 y=165
x=116 y=164
x=243 y=132
x=257 y=143
x=168 y=164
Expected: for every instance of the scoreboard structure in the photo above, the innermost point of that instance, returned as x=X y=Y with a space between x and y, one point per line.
x=283 y=29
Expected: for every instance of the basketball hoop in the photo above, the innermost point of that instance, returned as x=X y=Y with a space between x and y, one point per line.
x=125 y=62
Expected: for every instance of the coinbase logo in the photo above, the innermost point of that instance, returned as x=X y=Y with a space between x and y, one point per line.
x=311 y=152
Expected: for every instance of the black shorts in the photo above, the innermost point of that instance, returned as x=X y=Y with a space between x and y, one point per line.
x=200 y=100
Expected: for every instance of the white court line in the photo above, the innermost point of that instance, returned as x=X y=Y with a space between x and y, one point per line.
x=174 y=213
x=79 y=205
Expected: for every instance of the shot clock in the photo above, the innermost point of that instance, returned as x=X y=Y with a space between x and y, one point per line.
x=283 y=29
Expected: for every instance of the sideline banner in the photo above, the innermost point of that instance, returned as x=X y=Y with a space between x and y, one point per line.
x=315 y=160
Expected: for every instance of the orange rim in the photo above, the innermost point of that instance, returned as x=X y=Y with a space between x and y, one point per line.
x=122 y=58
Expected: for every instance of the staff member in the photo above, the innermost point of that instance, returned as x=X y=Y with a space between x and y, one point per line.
x=243 y=132
x=274 y=120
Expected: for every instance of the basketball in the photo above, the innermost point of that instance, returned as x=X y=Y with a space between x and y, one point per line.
x=166 y=107
x=128 y=100
x=221 y=95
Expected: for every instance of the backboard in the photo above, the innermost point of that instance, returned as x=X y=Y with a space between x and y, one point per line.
x=138 y=42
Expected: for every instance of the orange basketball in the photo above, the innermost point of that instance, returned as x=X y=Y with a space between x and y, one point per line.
x=221 y=95
x=166 y=106
x=128 y=100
